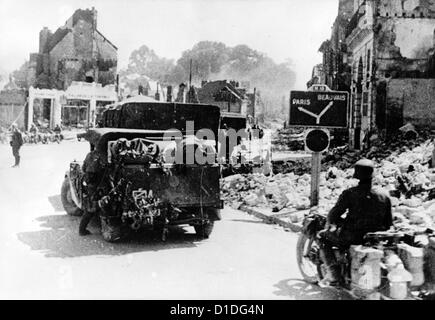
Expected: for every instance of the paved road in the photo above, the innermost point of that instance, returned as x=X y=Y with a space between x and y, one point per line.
x=43 y=257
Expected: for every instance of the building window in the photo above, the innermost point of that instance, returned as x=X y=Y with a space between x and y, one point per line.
x=365 y=104
x=360 y=76
x=368 y=60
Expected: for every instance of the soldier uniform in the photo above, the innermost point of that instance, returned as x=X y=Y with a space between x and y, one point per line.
x=367 y=211
x=16 y=143
x=92 y=176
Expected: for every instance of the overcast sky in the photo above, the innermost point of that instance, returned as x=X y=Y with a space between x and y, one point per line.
x=283 y=29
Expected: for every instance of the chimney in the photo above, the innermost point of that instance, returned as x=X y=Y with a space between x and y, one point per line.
x=169 y=94
x=157 y=95
x=44 y=38
x=94 y=17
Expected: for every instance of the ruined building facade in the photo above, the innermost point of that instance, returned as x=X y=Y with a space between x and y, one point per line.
x=388 y=63
x=334 y=51
x=77 y=51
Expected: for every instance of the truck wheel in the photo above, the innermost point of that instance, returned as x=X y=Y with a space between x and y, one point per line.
x=214 y=214
x=67 y=201
x=110 y=232
x=204 y=230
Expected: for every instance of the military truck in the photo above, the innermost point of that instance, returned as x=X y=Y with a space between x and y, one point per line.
x=132 y=178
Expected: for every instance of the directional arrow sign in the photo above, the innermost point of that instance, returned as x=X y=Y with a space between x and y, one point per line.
x=319 y=109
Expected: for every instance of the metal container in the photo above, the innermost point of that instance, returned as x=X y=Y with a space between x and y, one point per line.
x=366 y=267
x=413 y=260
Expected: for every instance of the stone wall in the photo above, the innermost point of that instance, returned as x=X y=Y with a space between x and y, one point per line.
x=74 y=52
x=83 y=38
x=63 y=50
x=410 y=100
x=404 y=46
x=406 y=8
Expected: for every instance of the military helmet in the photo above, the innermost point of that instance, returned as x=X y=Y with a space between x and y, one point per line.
x=364 y=169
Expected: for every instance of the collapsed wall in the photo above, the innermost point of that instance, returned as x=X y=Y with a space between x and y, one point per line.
x=410 y=100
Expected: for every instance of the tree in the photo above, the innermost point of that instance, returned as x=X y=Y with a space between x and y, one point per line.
x=145 y=62
x=208 y=57
x=20 y=77
x=214 y=60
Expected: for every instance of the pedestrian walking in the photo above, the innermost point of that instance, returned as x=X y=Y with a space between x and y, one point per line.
x=16 y=143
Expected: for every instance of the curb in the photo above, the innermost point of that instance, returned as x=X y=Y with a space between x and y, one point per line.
x=295 y=227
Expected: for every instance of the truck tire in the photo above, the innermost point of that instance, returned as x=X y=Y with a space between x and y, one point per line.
x=110 y=232
x=214 y=214
x=204 y=230
x=67 y=202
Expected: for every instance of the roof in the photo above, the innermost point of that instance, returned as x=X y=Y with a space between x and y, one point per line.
x=325 y=46
x=116 y=48
x=232 y=115
x=138 y=99
x=210 y=89
x=80 y=14
x=57 y=37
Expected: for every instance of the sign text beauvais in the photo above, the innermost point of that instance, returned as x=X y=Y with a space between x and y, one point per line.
x=319 y=109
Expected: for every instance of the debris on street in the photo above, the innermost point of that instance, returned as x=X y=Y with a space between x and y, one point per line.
x=403 y=171
x=291 y=139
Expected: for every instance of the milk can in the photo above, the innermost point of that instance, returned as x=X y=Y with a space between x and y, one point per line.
x=413 y=260
x=399 y=278
x=366 y=267
x=430 y=261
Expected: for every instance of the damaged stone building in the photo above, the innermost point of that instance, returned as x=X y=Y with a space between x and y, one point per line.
x=336 y=73
x=77 y=51
x=386 y=61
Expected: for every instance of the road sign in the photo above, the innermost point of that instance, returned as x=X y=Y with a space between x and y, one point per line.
x=327 y=109
x=317 y=140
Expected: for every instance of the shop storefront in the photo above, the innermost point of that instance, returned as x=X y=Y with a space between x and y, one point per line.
x=78 y=106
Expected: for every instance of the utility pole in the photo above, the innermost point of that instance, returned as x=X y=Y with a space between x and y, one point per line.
x=254 y=102
x=190 y=75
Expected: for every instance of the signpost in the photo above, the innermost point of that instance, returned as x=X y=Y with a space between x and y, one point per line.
x=322 y=109
x=326 y=109
x=316 y=141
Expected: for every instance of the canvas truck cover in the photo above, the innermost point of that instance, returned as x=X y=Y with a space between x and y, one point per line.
x=162 y=116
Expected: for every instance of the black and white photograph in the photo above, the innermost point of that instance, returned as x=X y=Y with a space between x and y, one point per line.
x=217 y=150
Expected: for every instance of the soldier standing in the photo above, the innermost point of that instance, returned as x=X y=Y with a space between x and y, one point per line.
x=16 y=143
x=92 y=170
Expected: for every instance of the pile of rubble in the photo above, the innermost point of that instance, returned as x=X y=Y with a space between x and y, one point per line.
x=298 y=167
x=291 y=139
x=379 y=149
x=402 y=171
